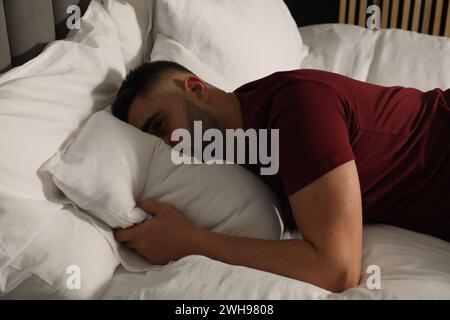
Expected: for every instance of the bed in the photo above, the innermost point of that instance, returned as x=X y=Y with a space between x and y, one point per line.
x=397 y=263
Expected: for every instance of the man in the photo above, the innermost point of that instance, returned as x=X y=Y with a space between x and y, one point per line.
x=349 y=152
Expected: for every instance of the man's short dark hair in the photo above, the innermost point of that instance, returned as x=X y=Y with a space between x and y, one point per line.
x=141 y=81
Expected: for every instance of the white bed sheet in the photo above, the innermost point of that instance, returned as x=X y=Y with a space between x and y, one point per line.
x=412 y=265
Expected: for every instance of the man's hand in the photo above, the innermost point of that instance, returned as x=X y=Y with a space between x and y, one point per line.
x=166 y=237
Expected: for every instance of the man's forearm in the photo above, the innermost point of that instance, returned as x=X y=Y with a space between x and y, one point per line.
x=295 y=259
x=329 y=260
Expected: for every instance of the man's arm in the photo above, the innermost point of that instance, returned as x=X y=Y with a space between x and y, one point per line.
x=327 y=212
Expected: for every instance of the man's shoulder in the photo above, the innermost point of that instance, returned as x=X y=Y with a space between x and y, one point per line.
x=292 y=80
x=288 y=94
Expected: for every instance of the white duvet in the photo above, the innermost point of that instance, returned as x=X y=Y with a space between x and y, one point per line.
x=410 y=265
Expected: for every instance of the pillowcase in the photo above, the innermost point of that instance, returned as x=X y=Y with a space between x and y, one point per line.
x=42 y=103
x=388 y=57
x=133 y=21
x=45 y=100
x=228 y=43
x=66 y=249
x=110 y=165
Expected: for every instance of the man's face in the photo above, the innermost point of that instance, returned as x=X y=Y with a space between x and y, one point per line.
x=160 y=115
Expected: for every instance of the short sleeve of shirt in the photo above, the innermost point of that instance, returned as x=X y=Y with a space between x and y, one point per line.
x=313 y=121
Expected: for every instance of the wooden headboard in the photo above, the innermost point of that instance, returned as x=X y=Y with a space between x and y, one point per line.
x=425 y=16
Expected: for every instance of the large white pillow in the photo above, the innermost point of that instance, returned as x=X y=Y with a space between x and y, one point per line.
x=133 y=21
x=42 y=103
x=63 y=244
x=388 y=57
x=110 y=165
x=228 y=43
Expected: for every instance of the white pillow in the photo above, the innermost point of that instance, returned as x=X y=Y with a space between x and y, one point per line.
x=387 y=57
x=42 y=103
x=133 y=21
x=228 y=43
x=110 y=164
x=62 y=245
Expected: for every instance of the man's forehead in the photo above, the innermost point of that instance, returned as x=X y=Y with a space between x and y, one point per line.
x=140 y=109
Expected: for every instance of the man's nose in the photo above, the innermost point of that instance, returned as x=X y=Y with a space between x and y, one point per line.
x=168 y=141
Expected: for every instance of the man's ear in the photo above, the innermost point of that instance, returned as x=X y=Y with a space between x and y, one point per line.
x=198 y=87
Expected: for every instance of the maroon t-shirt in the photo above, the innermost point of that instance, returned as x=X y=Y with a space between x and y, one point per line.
x=399 y=138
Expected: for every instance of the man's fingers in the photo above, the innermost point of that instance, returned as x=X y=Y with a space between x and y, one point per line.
x=129 y=244
x=126 y=234
x=153 y=207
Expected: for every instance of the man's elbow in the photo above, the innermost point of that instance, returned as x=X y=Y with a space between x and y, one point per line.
x=335 y=278
x=343 y=280
x=339 y=279
x=332 y=278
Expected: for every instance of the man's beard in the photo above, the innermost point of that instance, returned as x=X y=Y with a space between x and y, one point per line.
x=195 y=113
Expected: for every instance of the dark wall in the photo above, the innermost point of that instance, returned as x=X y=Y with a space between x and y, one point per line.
x=307 y=12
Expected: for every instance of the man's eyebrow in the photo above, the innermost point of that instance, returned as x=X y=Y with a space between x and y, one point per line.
x=149 y=120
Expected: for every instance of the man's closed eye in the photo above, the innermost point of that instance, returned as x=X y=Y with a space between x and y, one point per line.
x=155 y=125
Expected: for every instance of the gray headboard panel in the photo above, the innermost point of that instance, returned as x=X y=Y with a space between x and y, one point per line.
x=5 y=58
x=26 y=26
